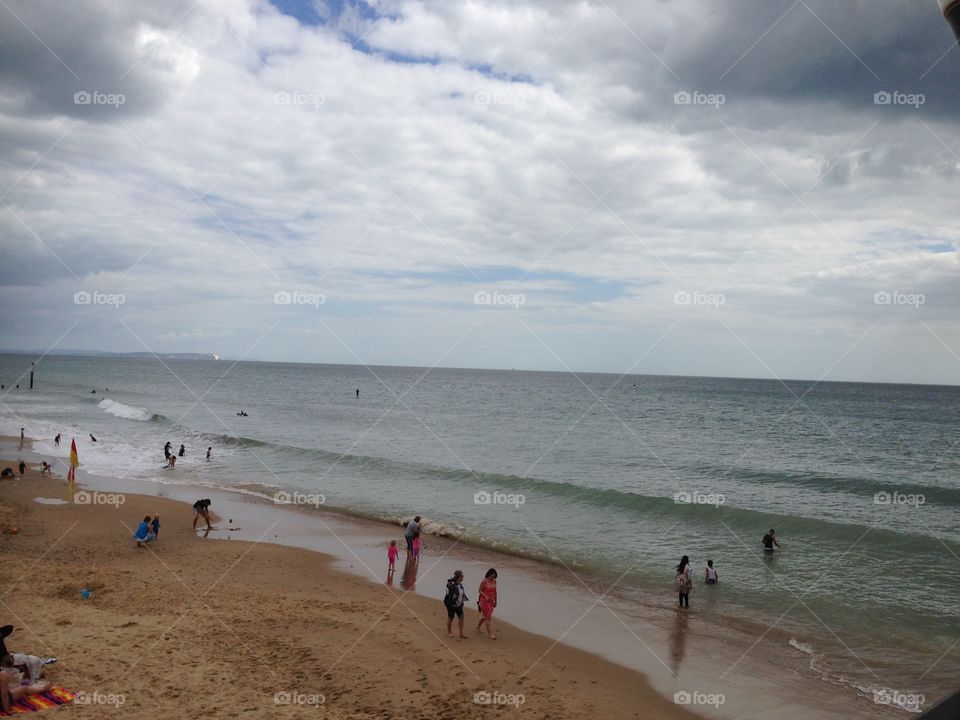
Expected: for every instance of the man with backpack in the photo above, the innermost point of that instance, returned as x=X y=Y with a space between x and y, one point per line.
x=454 y=600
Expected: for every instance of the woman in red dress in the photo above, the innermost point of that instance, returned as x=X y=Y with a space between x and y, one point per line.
x=487 y=601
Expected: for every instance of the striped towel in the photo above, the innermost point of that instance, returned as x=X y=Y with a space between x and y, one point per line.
x=34 y=703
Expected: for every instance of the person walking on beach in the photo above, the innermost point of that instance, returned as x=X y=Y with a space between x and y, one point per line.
x=201 y=509
x=412 y=527
x=23 y=468
x=454 y=600
x=56 y=440
x=183 y=450
x=769 y=540
x=684 y=583
x=711 y=577
x=487 y=601
x=392 y=553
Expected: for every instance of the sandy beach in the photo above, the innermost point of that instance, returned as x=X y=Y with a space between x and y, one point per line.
x=239 y=629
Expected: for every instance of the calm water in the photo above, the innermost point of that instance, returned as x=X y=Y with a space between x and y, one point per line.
x=861 y=481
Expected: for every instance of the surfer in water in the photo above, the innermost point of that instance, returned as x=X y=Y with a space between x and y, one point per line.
x=769 y=540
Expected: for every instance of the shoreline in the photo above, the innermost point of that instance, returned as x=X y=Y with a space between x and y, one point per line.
x=239 y=628
x=673 y=653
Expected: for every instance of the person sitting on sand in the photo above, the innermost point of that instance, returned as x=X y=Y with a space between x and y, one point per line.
x=711 y=577
x=201 y=509
x=9 y=693
x=769 y=540
x=487 y=601
x=143 y=534
x=155 y=527
x=454 y=600
x=684 y=583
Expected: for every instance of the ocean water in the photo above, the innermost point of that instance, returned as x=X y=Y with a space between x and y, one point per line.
x=611 y=477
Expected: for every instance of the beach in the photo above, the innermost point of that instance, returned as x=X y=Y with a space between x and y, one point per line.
x=191 y=626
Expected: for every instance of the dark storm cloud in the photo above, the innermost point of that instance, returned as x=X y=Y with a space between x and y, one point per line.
x=81 y=58
x=820 y=50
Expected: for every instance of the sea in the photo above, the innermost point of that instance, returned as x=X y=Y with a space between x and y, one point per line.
x=599 y=475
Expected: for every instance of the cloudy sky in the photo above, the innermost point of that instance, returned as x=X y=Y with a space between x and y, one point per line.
x=758 y=188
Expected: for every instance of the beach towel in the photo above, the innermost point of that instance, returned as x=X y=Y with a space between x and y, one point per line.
x=35 y=703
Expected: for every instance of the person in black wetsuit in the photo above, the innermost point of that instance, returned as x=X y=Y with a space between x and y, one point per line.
x=769 y=540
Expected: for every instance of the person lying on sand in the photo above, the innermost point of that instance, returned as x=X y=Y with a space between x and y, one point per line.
x=10 y=693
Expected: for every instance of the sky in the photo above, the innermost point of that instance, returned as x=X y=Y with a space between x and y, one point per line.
x=753 y=188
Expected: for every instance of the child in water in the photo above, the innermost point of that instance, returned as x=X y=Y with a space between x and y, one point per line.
x=392 y=553
x=711 y=577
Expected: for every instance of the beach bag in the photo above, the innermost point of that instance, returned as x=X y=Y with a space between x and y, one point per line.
x=450 y=598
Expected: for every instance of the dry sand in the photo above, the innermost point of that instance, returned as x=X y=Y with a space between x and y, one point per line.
x=191 y=626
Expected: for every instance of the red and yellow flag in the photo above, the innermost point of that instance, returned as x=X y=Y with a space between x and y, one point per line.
x=74 y=462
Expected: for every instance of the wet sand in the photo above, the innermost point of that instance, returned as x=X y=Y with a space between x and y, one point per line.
x=675 y=652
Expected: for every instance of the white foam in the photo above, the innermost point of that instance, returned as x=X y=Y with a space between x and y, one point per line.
x=50 y=501
x=128 y=412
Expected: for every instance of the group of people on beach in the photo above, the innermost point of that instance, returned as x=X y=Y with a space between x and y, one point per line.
x=148 y=530
x=455 y=597
x=171 y=457
x=683 y=583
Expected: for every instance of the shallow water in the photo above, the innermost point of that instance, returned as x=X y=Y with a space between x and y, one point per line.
x=860 y=480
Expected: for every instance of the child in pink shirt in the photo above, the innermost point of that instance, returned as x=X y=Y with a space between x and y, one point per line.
x=392 y=553
x=416 y=545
